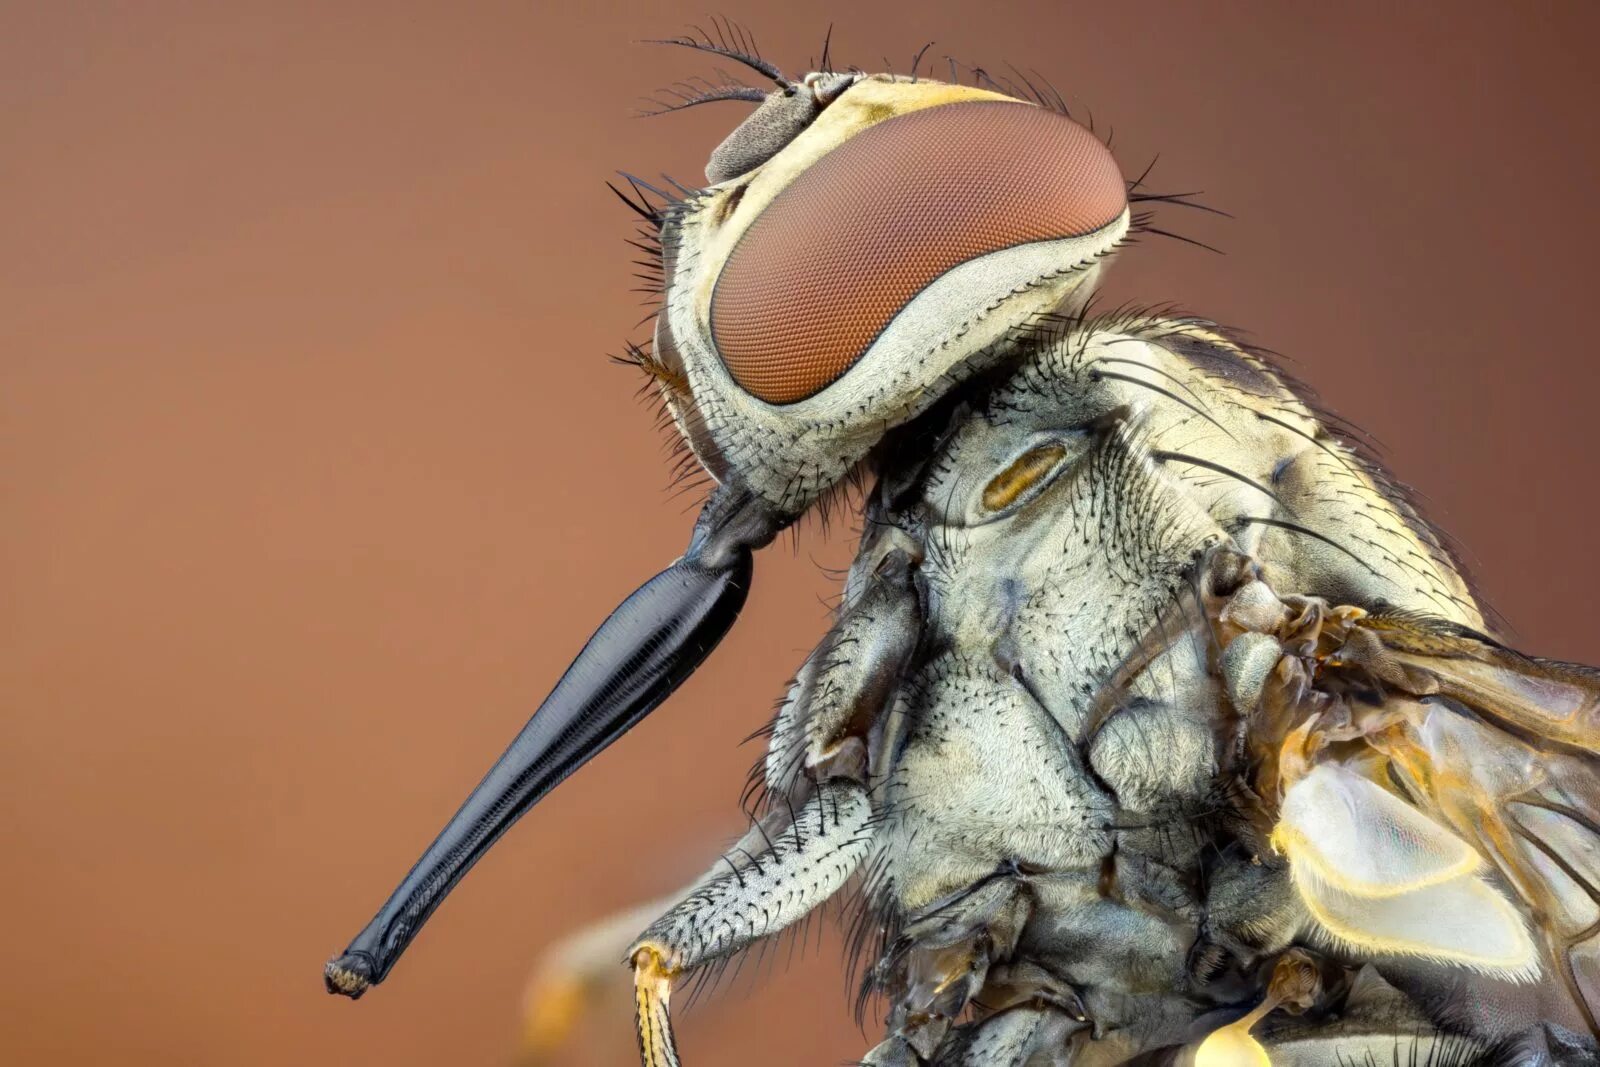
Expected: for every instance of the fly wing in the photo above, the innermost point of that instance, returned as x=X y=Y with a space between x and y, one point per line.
x=1383 y=876
x=1545 y=701
x=1505 y=750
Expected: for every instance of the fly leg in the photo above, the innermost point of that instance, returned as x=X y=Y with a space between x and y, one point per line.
x=574 y=986
x=825 y=728
x=1023 y=1036
x=945 y=959
x=760 y=894
x=820 y=760
x=578 y=977
x=960 y=955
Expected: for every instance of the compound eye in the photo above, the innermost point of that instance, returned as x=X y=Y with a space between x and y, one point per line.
x=830 y=262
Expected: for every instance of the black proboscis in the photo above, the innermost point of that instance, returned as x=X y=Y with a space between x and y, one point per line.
x=646 y=648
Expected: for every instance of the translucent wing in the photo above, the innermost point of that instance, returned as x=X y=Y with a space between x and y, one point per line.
x=1439 y=794
x=1378 y=874
x=1504 y=751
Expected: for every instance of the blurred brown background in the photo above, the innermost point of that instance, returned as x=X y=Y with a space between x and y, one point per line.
x=314 y=473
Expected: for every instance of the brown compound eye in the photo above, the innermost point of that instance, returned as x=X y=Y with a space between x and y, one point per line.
x=844 y=247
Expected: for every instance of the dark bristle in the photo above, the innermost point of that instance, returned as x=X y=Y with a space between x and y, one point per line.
x=1175 y=199
x=684 y=95
x=732 y=41
x=640 y=187
x=1141 y=223
x=1169 y=394
x=1295 y=527
x=916 y=60
x=641 y=207
x=685 y=191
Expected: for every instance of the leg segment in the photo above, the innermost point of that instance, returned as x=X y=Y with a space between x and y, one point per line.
x=820 y=753
x=824 y=727
x=945 y=959
x=1020 y=1037
x=760 y=895
x=579 y=976
x=895 y=1052
x=574 y=988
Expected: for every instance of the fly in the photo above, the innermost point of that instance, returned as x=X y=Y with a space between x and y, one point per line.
x=1155 y=724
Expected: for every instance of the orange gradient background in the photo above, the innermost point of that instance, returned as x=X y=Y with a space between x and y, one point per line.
x=314 y=474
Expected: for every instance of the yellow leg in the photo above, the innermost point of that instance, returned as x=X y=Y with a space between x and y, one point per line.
x=580 y=992
x=652 y=992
